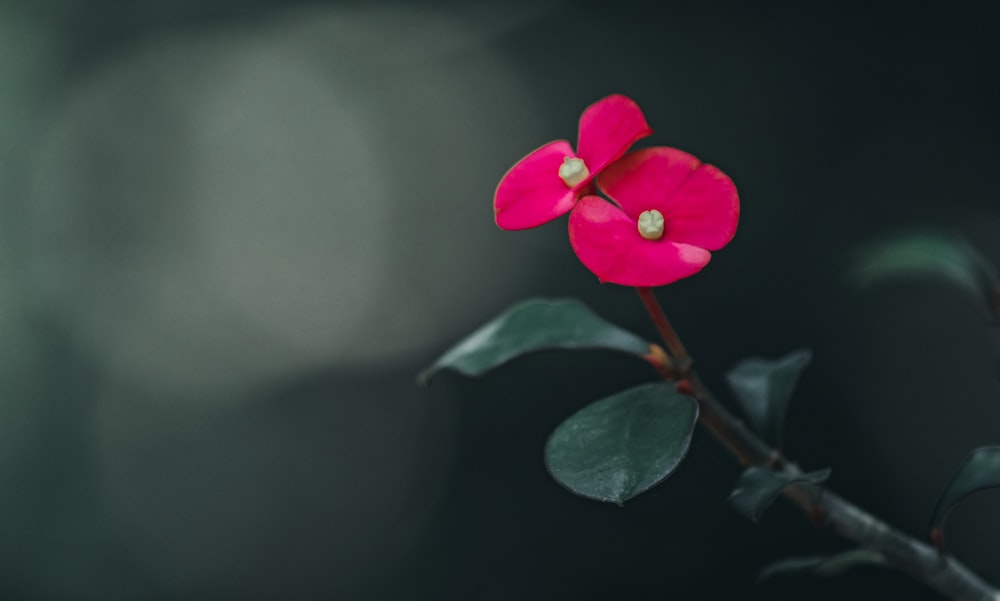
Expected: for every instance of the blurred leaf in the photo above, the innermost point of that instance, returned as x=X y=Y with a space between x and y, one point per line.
x=829 y=565
x=933 y=254
x=531 y=326
x=758 y=487
x=621 y=446
x=980 y=471
x=764 y=387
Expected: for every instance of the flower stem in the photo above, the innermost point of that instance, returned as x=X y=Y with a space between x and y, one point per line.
x=731 y=432
x=921 y=561
x=663 y=326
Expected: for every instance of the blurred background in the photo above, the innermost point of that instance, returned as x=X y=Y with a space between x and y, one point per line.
x=231 y=233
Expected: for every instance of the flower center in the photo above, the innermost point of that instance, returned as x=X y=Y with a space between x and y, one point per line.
x=573 y=171
x=651 y=224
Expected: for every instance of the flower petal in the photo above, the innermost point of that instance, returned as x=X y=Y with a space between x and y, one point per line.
x=532 y=193
x=607 y=129
x=699 y=203
x=608 y=243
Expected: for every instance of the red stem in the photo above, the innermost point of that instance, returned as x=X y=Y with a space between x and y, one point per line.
x=729 y=431
x=667 y=332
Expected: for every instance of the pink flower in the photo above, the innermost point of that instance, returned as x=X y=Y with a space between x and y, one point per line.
x=547 y=183
x=670 y=210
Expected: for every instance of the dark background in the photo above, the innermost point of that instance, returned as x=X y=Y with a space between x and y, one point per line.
x=233 y=232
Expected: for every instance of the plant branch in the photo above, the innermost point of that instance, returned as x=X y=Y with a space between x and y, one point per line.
x=920 y=560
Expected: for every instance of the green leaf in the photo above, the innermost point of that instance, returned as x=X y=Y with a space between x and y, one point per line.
x=532 y=326
x=829 y=565
x=758 y=487
x=621 y=446
x=980 y=471
x=764 y=387
x=929 y=253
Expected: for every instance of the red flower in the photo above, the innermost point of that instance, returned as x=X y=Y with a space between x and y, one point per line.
x=670 y=210
x=547 y=183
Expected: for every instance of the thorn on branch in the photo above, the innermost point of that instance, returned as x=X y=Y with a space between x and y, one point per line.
x=937 y=537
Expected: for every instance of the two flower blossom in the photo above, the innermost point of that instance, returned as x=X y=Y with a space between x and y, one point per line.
x=667 y=209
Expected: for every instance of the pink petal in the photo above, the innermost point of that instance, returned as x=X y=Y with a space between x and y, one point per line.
x=608 y=243
x=699 y=203
x=607 y=129
x=532 y=193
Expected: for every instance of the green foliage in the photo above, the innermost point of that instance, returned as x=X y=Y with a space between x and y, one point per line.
x=933 y=254
x=828 y=565
x=764 y=387
x=621 y=446
x=758 y=487
x=980 y=471
x=531 y=326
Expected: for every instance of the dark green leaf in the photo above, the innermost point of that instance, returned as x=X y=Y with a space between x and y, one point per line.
x=763 y=387
x=830 y=565
x=531 y=326
x=621 y=446
x=981 y=470
x=934 y=254
x=758 y=487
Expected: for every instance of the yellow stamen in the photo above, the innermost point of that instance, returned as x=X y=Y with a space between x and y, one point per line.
x=573 y=171
x=651 y=224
